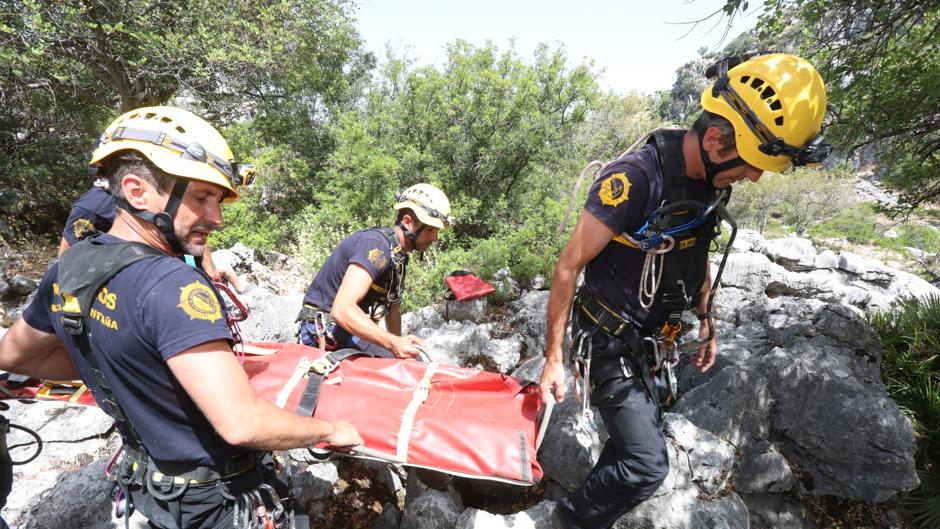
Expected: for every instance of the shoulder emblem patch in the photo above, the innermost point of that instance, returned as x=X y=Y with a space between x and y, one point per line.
x=82 y=227
x=377 y=258
x=199 y=302
x=615 y=190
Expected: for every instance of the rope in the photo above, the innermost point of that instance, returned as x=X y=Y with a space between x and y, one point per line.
x=652 y=273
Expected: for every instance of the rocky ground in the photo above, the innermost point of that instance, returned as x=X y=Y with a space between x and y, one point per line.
x=792 y=429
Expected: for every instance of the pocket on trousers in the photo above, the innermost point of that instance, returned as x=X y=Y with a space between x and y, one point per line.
x=609 y=383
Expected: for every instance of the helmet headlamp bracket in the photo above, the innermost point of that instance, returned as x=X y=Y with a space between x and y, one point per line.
x=239 y=174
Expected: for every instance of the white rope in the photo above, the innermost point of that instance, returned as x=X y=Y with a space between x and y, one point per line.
x=652 y=273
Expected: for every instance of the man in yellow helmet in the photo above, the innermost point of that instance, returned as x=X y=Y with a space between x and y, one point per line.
x=760 y=114
x=362 y=281
x=149 y=335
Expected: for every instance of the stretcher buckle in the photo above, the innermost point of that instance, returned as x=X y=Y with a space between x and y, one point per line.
x=323 y=367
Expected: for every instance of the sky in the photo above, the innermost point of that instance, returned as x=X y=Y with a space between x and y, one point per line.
x=638 y=43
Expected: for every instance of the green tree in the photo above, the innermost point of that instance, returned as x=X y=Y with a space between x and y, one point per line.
x=503 y=136
x=71 y=66
x=881 y=65
x=486 y=128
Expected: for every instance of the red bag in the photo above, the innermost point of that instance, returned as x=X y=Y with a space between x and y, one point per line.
x=460 y=421
x=467 y=286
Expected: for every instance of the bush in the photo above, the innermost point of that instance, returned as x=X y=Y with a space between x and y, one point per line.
x=910 y=367
x=799 y=199
x=920 y=236
x=857 y=224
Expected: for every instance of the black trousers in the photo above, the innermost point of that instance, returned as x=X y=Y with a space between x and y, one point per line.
x=205 y=506
x=634 y=461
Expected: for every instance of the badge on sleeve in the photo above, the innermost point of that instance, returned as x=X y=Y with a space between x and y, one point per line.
x=615 y=189
x=377 y=258
x=199 y=302
x=82 y=227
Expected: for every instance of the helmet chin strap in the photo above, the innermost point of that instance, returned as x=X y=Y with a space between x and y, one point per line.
x=712 y=168
x=411 y=235
x=163 y=220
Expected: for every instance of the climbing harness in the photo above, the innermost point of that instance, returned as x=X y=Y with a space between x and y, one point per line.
x=657 y=238
x=132 y=467
x=324 y=326
x=395 y=286
x=678 y=216
x=252 y=511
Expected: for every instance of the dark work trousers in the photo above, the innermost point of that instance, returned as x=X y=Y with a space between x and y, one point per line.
x=204 y=506
x=634 y=461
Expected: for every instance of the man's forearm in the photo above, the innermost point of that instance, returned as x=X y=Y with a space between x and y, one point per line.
x=559 y=307
x=706 y=291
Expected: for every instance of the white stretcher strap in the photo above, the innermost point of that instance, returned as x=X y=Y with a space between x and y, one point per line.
x=303 y=366
x=417 y=399
x=543 y=425
x=251 y=349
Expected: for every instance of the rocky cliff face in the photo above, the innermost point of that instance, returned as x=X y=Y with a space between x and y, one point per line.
x=794 y=408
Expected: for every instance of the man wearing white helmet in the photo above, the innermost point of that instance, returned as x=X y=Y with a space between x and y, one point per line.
x=149 y=335
x=362 y=281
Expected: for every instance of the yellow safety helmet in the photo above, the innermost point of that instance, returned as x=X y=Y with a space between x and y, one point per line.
x=429 y=203
x=776 y=104
x=177 y=141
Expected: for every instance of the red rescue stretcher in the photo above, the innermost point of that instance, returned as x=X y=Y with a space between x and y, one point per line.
x=460 y=421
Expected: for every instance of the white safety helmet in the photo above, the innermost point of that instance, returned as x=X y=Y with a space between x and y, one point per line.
x=429 y=204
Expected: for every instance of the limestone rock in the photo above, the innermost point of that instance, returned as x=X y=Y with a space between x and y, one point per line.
x=734 y=405
x=536 y=517
x=472 y=310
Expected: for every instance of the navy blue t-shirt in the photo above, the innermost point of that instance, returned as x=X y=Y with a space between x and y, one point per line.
x=622 y=198
x=147 y=313
x=93 y=211
x=369 y=248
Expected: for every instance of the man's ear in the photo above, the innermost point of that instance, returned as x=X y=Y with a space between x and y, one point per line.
x=410 y=222
x=136 y=190
x=712 y=139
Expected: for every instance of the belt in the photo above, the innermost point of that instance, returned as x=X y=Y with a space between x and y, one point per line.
x=142 y=464
x=606 y=318
x=310 y=312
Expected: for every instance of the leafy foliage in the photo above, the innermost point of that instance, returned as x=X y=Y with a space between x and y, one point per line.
x=910 y=334
x=72 y=66
x=857 y=224
x=800 y=199
x=503 y=137
x=880 y=63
